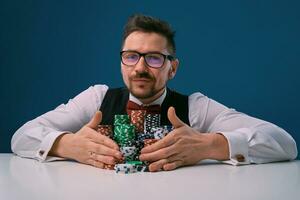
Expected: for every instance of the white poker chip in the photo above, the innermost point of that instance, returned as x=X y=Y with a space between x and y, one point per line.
x=128 y=151
x=125 y=168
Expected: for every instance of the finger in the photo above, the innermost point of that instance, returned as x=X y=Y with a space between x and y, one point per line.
x=105 y=159
x=173 y=165
x=157 y=166
x=159 y=154
x=95 y=121
x=175 y=121
x=104 y=150
x=168 y=140
x=95 y=163
x=102 y=139
x=99 y=164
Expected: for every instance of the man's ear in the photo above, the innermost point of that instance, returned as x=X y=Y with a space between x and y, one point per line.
x=173 y=69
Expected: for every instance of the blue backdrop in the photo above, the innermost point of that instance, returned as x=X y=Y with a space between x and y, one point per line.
x=244 y=54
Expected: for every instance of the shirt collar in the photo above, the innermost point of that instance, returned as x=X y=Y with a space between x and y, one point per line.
x=158 y=101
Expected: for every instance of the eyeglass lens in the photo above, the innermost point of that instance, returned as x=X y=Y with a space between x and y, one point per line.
x=152 y=59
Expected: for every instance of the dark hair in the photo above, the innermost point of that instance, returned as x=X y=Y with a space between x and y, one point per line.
x=150 y=24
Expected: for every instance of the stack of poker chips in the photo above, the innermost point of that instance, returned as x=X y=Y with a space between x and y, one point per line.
x=151 y=121
x=137 y=118
x=124 y=136
x=107 y=131
x=132 y=133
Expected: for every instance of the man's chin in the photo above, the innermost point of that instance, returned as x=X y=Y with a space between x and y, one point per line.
x=141 y=93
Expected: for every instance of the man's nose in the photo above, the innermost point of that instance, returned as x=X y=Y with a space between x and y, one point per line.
x=141 y=65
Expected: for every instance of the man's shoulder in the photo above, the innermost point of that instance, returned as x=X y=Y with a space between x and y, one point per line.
x=100 y=86
x=196 y=95
x=103 y=88
x=97 y=89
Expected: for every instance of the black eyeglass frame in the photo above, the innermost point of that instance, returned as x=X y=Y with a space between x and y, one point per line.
x=169 y=57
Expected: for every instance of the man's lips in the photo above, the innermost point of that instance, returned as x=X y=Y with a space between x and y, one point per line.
x=141 y=80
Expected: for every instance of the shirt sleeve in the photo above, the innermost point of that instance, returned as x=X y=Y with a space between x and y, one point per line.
x=35 y=138
x=250 y=140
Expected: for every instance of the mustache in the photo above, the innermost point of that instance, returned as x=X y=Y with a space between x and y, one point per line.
x=143 y=75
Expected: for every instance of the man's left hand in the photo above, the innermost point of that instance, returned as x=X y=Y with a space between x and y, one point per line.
x=184 y=146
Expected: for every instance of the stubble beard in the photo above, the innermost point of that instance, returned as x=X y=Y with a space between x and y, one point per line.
x=142 y=91
x=146 y=91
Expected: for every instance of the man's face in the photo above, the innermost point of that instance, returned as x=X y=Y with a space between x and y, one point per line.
x=142 y=81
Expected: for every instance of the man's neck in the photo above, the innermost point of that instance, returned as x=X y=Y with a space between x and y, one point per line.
x=157 y=99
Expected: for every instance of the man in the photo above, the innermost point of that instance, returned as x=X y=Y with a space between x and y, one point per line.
x=204 y=129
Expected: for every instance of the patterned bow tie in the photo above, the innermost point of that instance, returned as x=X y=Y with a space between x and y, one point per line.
x=153 y=109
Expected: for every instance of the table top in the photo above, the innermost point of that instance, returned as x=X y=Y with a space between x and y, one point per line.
x=22 y=178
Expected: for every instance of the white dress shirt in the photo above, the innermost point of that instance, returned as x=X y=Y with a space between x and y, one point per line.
x=256 y=140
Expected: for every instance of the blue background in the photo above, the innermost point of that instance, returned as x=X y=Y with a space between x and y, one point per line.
x=244 y=54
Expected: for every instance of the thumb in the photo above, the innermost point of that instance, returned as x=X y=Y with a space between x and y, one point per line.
x=95 y=121
x=175 y=121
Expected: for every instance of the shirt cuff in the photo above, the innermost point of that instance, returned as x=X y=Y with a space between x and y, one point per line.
x=46 y=145
x=238 y=147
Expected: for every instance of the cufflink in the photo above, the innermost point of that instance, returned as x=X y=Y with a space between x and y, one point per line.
x=240 y=158
x=41 y=152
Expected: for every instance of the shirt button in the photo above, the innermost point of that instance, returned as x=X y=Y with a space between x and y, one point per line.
x=240 y=158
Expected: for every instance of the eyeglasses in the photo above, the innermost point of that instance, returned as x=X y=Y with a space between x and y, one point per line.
x=152 y=59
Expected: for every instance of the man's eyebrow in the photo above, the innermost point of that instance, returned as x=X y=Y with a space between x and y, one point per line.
x=144 y=52
x=155 y=52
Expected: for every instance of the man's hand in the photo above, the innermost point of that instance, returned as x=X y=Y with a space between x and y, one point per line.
x=87 y=146
x=184 y=146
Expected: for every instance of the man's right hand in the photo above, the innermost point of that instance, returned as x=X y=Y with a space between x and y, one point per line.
x=87 y=146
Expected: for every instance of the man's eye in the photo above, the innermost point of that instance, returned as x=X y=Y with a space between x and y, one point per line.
x=154 y=58
x=131 y=57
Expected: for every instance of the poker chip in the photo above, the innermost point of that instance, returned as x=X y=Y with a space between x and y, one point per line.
x=151 y=121
x=143 y=136
x=142 y=168
x=105 y=130
x=139 y=145
x=121 y=119
x=168 y=128
x=149 y=142
x=128 y=168
x=125 y=168
x=161 y=132
x=137 y=119
x=135 y=162
x=124 y=134
x=129 y=153
x=108 y=166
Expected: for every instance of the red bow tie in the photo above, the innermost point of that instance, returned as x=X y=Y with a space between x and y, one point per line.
x=153 y=109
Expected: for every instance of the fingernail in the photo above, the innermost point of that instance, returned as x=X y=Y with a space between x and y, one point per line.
x=143 y=150
x=141 y=157
x=118 y=154
x=155 y=169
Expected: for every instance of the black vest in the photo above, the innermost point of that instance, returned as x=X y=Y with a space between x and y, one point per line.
x=115 y=101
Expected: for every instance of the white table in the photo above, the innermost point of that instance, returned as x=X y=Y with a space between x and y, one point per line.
x=24 y=179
